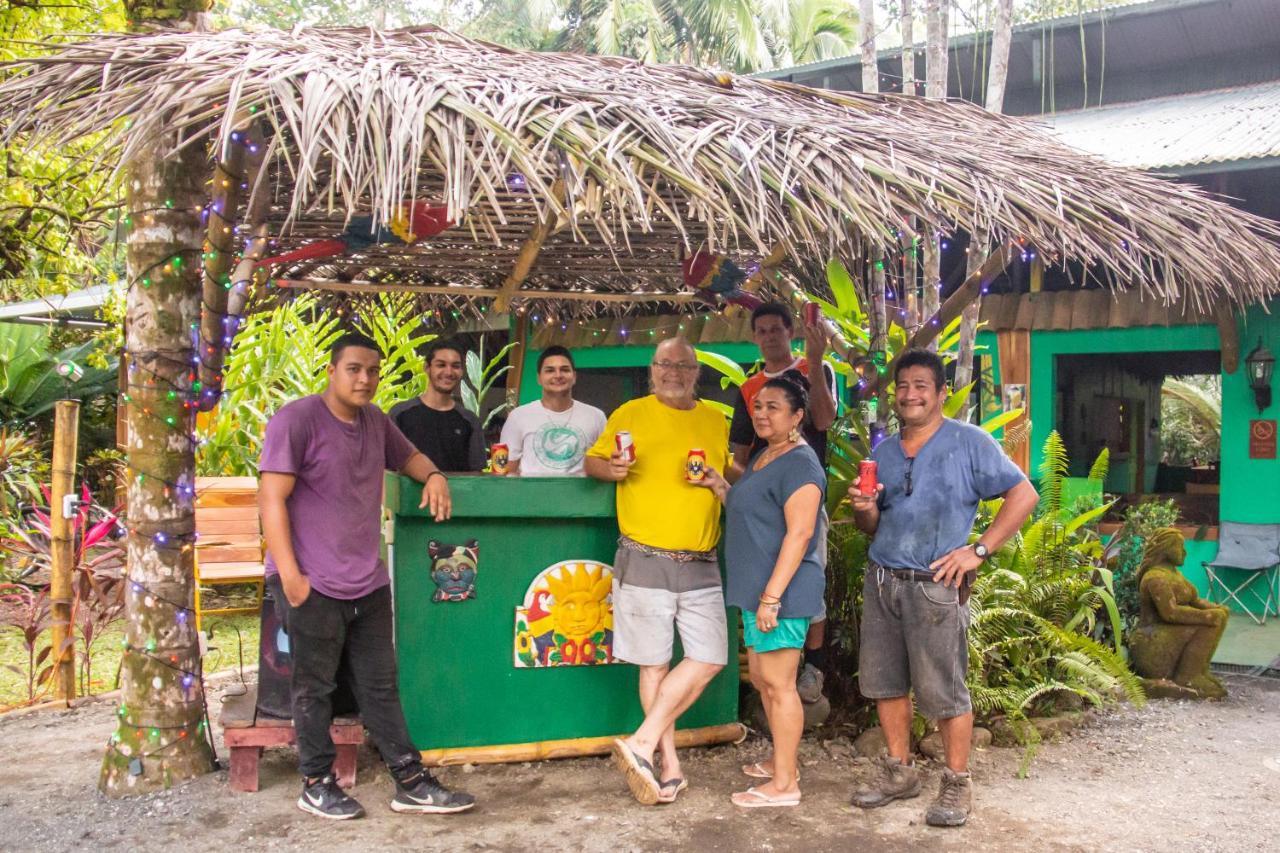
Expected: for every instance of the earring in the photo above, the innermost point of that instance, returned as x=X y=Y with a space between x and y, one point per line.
x=794 y=435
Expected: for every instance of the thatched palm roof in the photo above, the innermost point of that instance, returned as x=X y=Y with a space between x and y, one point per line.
x=624 y=162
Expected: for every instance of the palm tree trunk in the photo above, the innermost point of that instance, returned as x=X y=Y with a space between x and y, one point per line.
x=936 y=88
x=997 y=75
x=906 y=24
x=871 y=83
x=161 y=738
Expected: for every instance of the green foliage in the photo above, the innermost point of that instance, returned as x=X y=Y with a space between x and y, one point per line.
x=22 y=469
x=57 y=207
x=281 y=355
x=479 y=379
x=1126 y=547
x=1191 y=420
x=29 y=382
x=1036 y=610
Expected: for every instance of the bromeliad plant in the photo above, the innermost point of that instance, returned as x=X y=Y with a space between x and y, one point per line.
x=1035 y=611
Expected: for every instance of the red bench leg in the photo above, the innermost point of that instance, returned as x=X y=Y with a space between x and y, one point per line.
x=244 y=768
x=344 y=766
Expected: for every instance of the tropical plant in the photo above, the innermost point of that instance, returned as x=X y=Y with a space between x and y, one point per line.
x=479 y=379
x=281 y=354
x=1191 y=419
x=1035 y=610
x=97 y=594
x=29 y=380
x=1126 y=547
x=22 y=469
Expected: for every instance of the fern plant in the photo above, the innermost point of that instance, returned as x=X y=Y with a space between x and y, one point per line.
x=1036 y=613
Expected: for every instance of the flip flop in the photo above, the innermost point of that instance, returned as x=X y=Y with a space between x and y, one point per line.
x=670 y=788
x=757 y=771
x=753 y=799
x=640 y=777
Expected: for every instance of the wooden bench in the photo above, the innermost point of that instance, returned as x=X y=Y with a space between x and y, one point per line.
x=246 y=734
x=229 y=541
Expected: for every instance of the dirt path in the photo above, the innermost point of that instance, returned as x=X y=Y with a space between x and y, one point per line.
x=1173 y=776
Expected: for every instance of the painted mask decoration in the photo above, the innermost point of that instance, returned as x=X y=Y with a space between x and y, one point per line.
x=454 y=569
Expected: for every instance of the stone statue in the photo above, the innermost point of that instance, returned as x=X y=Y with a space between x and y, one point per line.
x=1178 y=630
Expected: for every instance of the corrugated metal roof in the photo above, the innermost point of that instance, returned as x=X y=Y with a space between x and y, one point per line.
x=77 y=303
x=1179 y=131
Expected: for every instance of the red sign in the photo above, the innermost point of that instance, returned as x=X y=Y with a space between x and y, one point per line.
x=1262 y=439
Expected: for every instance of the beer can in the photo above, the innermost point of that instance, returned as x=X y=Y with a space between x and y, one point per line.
x=812 y=312
x=867 y=477
x=499 y=455
x=626 y=446
x=695 y=467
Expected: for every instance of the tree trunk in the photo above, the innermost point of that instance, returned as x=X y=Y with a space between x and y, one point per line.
x=867 y=30
x=1001 y=35
x=161 y=738
x=935 y=88
x=906 y=24
x=871 y=83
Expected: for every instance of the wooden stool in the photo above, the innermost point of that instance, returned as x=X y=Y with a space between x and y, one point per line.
x=246 y=735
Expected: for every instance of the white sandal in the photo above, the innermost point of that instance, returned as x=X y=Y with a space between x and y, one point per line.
x=754 y=799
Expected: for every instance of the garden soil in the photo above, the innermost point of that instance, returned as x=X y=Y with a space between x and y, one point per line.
x=1171 y=776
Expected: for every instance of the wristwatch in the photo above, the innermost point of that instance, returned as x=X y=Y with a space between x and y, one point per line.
x=981 y=550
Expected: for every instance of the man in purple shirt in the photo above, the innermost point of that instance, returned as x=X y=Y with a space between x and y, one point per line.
x=321 y=497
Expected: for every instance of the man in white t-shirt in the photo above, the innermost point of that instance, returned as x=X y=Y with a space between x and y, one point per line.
x=549 y=437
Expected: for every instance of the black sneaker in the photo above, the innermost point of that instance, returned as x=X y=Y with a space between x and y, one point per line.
x=422 y=793
x=323 y=798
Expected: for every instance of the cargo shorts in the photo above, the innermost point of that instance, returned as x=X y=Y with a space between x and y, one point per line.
x=913 y=639
x=654 y=596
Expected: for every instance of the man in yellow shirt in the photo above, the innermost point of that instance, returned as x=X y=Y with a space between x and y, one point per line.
x=666 y=575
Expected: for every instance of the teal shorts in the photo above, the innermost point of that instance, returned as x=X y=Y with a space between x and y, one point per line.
x=789 y=634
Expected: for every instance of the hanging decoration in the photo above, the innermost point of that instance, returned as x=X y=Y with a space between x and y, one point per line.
x=454 y=569
x=413 y=222
x=715 y=279
x=567 y=617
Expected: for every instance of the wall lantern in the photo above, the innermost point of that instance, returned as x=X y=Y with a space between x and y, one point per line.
x=1260 y=363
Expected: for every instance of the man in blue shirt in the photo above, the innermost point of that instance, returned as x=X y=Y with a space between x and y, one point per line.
x=932 y=475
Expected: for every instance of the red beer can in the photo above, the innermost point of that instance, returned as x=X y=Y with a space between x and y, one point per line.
x=695 y=467
x=812 y=312
x=499 y=456
x=867 y=477
x=625 y=444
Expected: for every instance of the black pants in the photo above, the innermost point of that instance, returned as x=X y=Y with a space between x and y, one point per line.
x=328 y=634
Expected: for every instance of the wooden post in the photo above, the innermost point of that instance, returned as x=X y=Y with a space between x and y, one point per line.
x=1014 y=348
x=62 y=546
x=517 y=354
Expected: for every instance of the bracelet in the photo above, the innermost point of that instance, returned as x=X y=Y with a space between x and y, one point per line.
x=765 y=598
x=771 y=605
x=434 y=473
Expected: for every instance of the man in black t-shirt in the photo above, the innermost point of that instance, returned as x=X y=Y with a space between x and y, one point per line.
x=447 y=433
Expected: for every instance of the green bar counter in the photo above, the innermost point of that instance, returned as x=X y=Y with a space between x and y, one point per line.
x=464 y=697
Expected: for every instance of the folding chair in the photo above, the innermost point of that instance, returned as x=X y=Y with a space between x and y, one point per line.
x=1254 y=550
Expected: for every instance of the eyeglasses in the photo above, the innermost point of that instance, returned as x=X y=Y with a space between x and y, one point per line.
x=675 y=365
x=911 y=461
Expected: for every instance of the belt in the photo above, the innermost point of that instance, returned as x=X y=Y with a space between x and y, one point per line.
x=675 y=556
x=900 y=574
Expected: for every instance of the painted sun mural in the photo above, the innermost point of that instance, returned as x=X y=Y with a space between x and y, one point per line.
x=567 y=616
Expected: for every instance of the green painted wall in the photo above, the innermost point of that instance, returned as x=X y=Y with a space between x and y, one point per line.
x=457 y=678
x=1250 y=487
x=621 y=356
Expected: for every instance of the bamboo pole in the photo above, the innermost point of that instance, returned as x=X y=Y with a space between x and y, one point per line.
x=517 y=358
x=62 y=546
x=570 y=747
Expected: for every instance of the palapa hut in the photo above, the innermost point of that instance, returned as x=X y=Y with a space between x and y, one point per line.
x=562 y=183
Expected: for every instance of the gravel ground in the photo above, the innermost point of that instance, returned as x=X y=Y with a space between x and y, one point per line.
x=1171 y=776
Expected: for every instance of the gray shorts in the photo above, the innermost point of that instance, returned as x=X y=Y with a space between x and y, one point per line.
x=653 y=596
x=913 y=638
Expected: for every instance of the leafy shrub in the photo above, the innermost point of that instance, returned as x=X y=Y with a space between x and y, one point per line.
x=1140 y=521
x=1035 y=611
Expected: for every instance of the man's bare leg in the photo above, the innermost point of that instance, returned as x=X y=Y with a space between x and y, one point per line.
x=957 y=738
x=677 y=690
